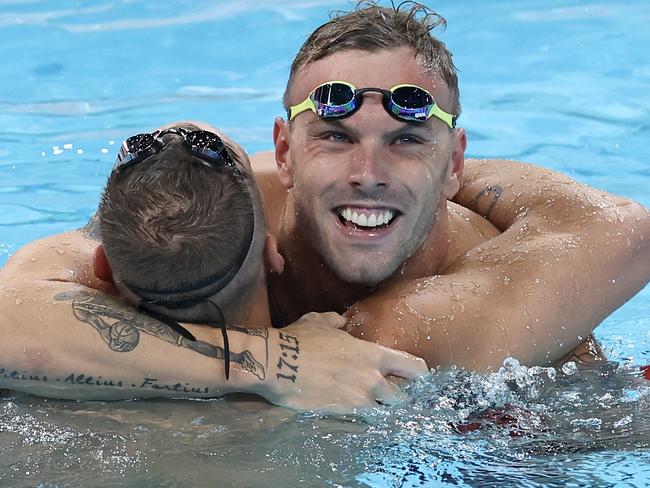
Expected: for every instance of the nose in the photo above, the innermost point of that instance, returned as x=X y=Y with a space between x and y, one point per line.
x=369 y=172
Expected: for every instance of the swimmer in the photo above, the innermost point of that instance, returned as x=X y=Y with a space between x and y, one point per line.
x=183 y=238
x=380 y=217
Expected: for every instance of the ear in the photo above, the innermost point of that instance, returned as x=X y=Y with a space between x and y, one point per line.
x=101 y=266
x=273 y=259
x=281 y=141
x=452 y=182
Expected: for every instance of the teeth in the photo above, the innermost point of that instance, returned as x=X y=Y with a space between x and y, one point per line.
x=369 y=220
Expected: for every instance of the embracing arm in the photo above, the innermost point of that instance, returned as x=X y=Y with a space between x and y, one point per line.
x=67 y=341
x=64 y=338
x=569 y=255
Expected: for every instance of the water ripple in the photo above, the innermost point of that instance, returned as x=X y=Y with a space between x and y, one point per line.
x=75 y=108
x=202 y=14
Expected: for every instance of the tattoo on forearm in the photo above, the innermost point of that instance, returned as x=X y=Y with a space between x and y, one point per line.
x=493 y=193
x=289 y=357
x=80 y=379
x=120 y=326
x=91 y=229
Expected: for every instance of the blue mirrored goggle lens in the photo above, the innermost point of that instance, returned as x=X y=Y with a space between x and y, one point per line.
x=208 y=144
x=411 y=97
x=333 y=94
x=410 y=102
x=334 y=100
x=203 y=138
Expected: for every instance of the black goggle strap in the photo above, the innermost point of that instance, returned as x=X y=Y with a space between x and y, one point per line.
x=220 y=323
x=143 y=307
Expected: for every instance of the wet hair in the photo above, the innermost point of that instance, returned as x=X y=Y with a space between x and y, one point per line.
x=171 y=222
x=373 y=28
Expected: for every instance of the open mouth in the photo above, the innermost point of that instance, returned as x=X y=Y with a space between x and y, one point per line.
x=366 y=219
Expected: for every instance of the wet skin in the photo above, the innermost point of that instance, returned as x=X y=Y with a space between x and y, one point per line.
x=423 y=283
x=369 y=163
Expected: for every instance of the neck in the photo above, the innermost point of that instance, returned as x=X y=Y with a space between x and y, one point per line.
x=254 y=312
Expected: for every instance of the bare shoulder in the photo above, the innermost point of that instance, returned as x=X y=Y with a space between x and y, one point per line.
x=56 y=257
x=273 y=193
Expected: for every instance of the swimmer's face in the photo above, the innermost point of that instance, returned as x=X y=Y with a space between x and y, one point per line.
x=367 y=187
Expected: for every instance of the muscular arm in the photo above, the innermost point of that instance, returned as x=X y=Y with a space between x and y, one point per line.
x=66 y=337
x=569 y=255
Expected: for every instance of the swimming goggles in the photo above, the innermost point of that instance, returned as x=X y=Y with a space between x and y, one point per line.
x=203 y=144
x=337 y=99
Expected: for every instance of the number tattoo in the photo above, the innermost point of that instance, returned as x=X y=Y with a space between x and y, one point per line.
x=495 y=191
x=290 y=351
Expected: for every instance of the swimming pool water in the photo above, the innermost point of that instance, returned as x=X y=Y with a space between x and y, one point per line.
x=560 y=83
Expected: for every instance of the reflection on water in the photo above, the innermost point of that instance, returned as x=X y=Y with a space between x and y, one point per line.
x=520 y=426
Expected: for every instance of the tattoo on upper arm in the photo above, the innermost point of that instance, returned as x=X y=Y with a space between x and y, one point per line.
x=120 y=326
x=91 y=229
x=492 y=194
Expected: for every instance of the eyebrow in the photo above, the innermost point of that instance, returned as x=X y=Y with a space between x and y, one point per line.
x=424 y=130
x=334 y=123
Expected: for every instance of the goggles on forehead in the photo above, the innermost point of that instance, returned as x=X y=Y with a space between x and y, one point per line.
x=407 y=103
x=203 y=144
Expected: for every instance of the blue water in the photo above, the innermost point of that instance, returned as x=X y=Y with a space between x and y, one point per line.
x=564 y=84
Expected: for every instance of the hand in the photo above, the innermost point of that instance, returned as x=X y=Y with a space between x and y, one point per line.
x=314 y=366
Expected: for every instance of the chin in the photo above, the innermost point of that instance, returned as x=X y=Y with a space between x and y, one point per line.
x=362 y=276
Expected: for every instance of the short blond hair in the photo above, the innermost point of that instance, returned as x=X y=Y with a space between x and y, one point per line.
x=373 y=28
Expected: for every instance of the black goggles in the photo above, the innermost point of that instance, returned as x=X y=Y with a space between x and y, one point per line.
x=203 y=144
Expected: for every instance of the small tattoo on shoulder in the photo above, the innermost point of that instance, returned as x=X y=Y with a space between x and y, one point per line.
x=490 y=195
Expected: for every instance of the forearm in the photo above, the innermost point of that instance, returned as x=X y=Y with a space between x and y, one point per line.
x=526 y=293
x=70 y=342
x=506 y=192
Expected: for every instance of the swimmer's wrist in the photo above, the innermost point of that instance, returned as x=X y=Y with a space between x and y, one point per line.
x=277 y=381
x=253 y=352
